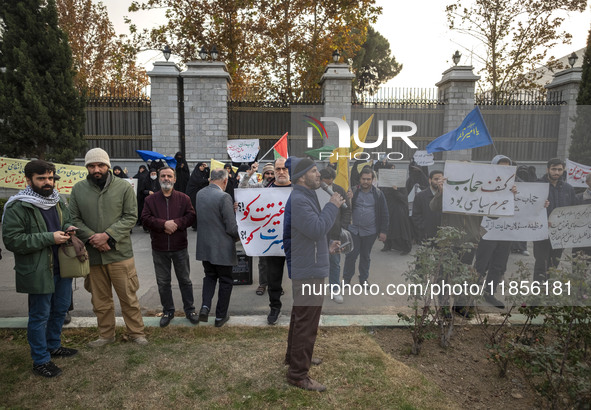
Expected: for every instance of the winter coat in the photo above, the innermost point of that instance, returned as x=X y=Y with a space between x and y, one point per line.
x=157 y=210
x=426 y=220
x=305 y=230
x=112 y=210
x=24 y=232
x=382 y=214
x=562 y=194
x=217 y=230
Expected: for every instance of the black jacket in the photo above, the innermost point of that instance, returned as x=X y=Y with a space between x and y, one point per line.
x=343 y=215
x=562 y=194
x=426 y=220
x=382 y=215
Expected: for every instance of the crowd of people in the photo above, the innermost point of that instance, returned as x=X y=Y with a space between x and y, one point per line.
x=321 y=219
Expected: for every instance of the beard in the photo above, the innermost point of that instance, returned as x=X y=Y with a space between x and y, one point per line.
x=166 y=185
x=45 y=190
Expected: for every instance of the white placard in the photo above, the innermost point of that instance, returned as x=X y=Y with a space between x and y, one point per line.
x=391 y=177
x=530 y=222
x=133 y=182
x=260 y=219
x=478 y=189
x=570 y=227
x=423 y=158
x=576 y=173
x=243 y=150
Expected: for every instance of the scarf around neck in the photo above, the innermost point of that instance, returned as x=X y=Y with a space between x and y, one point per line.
x=32 y=197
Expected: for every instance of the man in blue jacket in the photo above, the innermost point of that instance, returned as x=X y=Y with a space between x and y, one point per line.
x=306 y=245
x=370 y=221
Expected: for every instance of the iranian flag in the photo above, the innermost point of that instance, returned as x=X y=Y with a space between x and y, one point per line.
x=280 y=147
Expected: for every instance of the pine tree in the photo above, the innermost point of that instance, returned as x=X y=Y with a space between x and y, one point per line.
x=580 y=147
x=41 y=113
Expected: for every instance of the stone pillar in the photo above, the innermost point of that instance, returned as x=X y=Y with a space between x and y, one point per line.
x=206 y=110
x=165 y=108
x=565 y=87
x=456 y=88
x=336 y=93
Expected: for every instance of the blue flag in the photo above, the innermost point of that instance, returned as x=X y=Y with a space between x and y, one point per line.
x=471 y=134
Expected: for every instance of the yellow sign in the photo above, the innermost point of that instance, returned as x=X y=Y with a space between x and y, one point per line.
x=12 y=175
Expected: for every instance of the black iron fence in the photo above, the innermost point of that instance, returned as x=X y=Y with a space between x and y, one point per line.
x=119 y=121
x=524 y=125
x=255 y=114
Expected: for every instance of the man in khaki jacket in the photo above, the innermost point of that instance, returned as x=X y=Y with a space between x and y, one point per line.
x=105 y=210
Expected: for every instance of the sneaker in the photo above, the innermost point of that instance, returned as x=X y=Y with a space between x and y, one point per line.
x=222 y=321
x=63 y=352
x=204 y=314
x=67 y=319
x=338 y=299
x=307 y=384
x=48 y=369
x=273 y=316
x=193 y=318
x=166 y=318
x=101 y=341
x=142 y=341
x=525 y=253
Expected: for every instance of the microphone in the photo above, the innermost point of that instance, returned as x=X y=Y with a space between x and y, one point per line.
x=330 y=192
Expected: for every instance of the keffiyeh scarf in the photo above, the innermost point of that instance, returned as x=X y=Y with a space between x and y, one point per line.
x=32 y=197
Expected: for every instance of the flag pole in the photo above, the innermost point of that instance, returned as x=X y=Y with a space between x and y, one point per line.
x=272 y=148
x=261 y=158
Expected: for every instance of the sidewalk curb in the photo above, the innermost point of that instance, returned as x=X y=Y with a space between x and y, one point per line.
x=261 y=321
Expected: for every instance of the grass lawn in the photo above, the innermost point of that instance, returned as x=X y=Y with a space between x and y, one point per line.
x=206 y=367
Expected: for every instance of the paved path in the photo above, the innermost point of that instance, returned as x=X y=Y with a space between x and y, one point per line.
x=386 y=268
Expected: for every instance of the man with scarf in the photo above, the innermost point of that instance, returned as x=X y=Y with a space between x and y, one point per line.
x=35 y=222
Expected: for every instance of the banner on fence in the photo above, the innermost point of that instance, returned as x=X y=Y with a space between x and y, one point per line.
x=576 y=173
x=260 y=219
x=478 y=189
x=243 y=150
x=12 y=175
x=530 y=221
x=570 y=227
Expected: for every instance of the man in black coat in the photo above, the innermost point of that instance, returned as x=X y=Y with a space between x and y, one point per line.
x=560 y=194
x=426 y=220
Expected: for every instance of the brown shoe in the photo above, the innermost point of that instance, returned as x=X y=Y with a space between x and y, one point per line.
x=307 y=384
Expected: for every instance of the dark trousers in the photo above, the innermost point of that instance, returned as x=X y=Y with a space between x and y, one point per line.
x=546 y=258
x=361 y=248
x=491 y=260
x=263 y=281
x=519 y=246
x=162 y=265
x=273 y=266
x=303 y=328
x=213 y=273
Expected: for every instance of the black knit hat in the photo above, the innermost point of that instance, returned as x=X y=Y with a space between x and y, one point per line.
x=298 y=167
